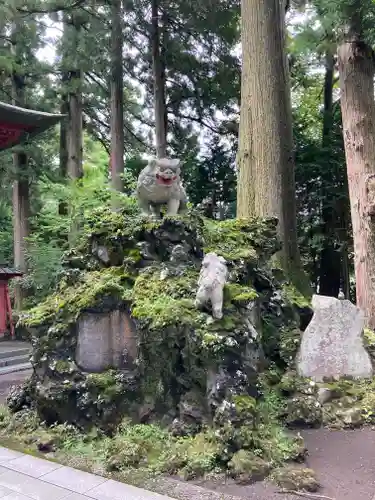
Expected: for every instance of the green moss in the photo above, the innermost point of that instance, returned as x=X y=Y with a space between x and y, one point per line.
x=245 y=405
x=193 y=457
x=351 y=403
x=160 y=303
x=293 y=383
x=66 y=304
x=105 y=384
x=245 y=466
x=295 y=297
x=369 y=343
x=290 y=339
x=339 y=404
x=62 y=366
x=237 y=293
x=251 y=240
x=296 y=479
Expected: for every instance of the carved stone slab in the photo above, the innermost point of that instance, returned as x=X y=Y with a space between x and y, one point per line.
x=106 y=340
x=332 y=344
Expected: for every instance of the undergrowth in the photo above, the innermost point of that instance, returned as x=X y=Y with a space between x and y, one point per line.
x=147 y=450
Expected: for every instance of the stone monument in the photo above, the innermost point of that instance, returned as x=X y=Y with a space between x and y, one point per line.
x=106 y=340
x=332 y=345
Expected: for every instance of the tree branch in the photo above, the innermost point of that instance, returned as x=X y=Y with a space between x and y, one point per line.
x=57 y=8
x=198 y=120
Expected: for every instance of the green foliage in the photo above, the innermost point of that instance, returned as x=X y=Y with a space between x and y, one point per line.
x=149 y=448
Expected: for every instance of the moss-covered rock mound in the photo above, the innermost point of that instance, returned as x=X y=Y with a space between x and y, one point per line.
x=195 y=377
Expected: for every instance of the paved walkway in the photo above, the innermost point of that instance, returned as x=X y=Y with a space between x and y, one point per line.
x=23 y=477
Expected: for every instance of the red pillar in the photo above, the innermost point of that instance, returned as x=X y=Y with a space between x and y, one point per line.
x=3 y=306
x=9 y=309
x=5 y=309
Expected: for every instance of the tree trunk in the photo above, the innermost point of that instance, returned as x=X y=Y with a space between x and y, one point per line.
x=330 y=265
x=75 y=122
x=266 y=184
x=356 y=69
x=21 y=197
x=74 y=128
x=117 y=98
x=64 y=110
x=159 y=83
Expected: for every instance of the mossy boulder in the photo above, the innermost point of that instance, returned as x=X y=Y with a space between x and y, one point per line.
x=190 y=373
x=296 y=479
x=246 y=467
x=346 y=403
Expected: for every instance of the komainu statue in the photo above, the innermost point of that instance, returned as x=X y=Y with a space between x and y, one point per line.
x=212 y=278
x=159 y=184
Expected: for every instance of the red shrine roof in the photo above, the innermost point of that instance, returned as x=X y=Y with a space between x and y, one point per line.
x=20 y=124
x=8 y=272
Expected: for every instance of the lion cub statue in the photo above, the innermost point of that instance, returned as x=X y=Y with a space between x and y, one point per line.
x=159 y=184
x=212 y=278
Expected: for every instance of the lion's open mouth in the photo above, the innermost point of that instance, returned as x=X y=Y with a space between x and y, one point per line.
x=167 y=181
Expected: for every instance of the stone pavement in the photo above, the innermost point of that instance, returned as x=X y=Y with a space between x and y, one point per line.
x=24 y=477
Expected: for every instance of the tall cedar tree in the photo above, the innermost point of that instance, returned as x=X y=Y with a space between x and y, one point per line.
x=266 y=184
x=117 y=97
x=21 y=188
x=356 y=71
x=75 y=124
x=330 y=259
x=158 y=69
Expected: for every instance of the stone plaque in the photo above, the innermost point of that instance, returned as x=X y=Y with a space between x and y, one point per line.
x=106 y=340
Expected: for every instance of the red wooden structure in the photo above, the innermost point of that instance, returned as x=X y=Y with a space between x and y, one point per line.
x=20 y=124
x=6 y=274
x=17 y=125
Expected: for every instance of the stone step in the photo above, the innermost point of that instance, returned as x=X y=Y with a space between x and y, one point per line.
x=15 y=360
x=14 y=352
x=15 y=368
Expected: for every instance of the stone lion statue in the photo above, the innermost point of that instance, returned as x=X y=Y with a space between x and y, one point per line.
x=159 y=184
x=212 y=278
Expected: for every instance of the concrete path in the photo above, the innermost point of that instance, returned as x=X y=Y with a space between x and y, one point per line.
x=23 y=477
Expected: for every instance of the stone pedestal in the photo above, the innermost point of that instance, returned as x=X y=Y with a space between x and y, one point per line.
x=106 y=340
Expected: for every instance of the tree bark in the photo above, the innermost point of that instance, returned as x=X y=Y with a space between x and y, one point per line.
x=356 y=70
x=75 y=123
x=75 y=128
x=330 y=265
x=64 y=110
x=266 y=184
x=117 y=98
x=21 y=196
x=158 y=68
